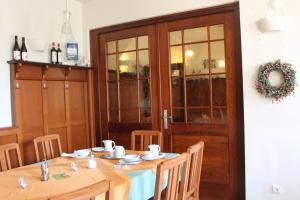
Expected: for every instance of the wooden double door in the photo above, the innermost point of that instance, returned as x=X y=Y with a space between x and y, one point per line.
x=181 y=77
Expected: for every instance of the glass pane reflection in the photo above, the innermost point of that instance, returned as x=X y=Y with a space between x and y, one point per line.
x=144 y=69
x=196 y=57
x=127 y=44
x=127 y=65
x=219 y=90
x=195 y=35
x=175 y=37
x=218 y=57
x=197 y=91
x=143 y=42
x=216 y=32
x=199 y=115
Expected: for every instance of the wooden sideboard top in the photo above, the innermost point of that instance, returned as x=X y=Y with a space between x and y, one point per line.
x=41 y=64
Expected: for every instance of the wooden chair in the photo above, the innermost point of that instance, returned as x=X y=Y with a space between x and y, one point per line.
x=146 y=138
x=47 y=146
x=194 y=173
x=174 y=167
x=89 y=192
x=5 y=156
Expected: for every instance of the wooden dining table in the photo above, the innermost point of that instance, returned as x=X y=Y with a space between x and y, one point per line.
x=133 y=182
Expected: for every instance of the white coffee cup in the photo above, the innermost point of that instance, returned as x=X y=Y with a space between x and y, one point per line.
x=109 y=145
x=119 y=152
x=148 y=155
x=154 y=149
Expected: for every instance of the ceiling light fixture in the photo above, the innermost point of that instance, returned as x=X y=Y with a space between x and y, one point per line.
x=274 y=20
x=66 y=29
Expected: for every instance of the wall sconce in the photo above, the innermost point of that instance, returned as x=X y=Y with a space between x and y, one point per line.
x=274 y=21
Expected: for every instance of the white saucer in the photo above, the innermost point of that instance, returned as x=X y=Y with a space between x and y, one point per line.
x=160 y=156
x=98 y=149
x=123 y=162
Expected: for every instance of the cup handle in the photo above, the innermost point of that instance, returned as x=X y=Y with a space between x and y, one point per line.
x=158 y=148
x=114 y=144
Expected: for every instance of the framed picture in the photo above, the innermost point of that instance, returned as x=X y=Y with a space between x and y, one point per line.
x=72 y=51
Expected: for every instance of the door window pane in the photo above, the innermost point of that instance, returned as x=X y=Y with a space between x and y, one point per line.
x=143 y=42
x=216 y=32
x=177 y=92
x=176 y=61
x=199 y=115
x=175 y=37
x=220 y=115
x=129 y=94
x=196 y=56
x=178 y=115
x=127 y=65
x=127 y=44
x=144 y=69
x=197 y=91
x=219 y=90
x=111 y=47
x=195 y=35
x=113 y=95
x=112 y=67
x=144 y=101
x=145 y=114
x=217 y=57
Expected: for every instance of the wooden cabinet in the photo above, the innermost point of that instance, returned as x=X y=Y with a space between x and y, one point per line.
x=52 y=99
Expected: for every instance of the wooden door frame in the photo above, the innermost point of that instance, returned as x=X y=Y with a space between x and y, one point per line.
x=232 y=7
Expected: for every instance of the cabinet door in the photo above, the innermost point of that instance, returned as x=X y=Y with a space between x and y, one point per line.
x=55 y=121
x=31 y=104
x=77 y=115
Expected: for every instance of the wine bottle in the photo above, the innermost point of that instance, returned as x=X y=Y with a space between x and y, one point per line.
x=16 y=50
x=59 y=54
x=53 y=54
x=24 y=54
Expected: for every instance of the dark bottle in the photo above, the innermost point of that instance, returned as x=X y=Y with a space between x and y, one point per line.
x=16 y=50
x=24 y=53
x=53 y=54
x=59 y=55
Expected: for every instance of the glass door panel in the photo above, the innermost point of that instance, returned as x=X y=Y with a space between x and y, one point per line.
x=198 y=75
x=128 y=85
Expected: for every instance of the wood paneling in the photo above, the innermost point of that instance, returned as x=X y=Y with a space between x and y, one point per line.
x=78 y=114
x=55 y=110
x=32 y=117
x=51 y=99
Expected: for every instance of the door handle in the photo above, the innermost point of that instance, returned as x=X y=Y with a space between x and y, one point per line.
x=165 y=118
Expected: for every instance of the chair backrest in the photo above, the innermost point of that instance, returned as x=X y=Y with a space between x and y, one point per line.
x=89 y=192
x=47 y=146
x=176 y=169
x=146 y=138
x=5 y=155
x=194 y=173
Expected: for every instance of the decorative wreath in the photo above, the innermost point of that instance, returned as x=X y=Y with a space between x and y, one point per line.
x=287 y=88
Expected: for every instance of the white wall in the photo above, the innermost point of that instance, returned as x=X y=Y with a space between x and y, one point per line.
x=41 y=19
x=271 y=130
